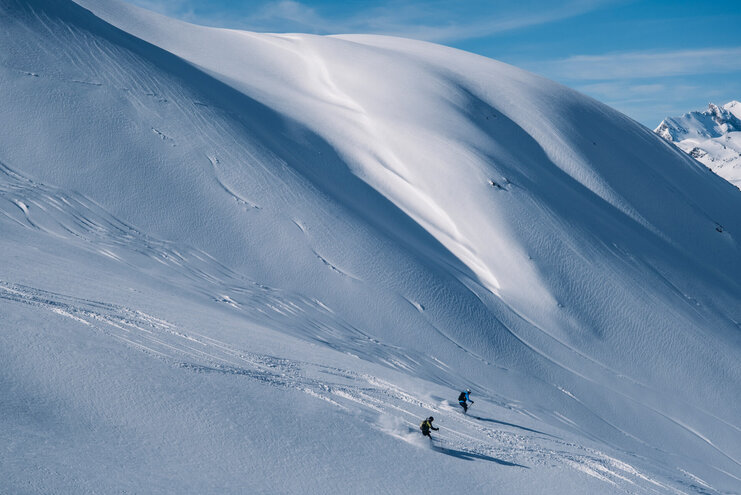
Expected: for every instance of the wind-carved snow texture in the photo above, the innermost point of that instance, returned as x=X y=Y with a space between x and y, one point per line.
x=387 y=408
x=48 y=210
x=61 y=215
x=395 y=410
x=241 y=262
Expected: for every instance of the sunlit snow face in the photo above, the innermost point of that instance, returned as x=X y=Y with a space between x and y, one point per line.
x=235 y=261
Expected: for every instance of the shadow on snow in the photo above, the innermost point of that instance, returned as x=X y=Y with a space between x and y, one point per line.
x=471 y=456
x=490 y=420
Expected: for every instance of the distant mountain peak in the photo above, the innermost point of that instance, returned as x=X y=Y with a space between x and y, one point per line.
x=714 y=122
x=711 y=136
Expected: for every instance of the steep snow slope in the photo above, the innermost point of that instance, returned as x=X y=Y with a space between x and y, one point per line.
x=713 y=137
x=322 y=239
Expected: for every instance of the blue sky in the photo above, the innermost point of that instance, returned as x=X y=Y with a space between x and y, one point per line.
x=649 y=59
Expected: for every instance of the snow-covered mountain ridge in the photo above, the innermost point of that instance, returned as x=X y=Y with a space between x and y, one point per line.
x=240 y=262
x=712 y=136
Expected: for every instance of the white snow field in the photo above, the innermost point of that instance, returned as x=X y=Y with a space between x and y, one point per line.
x=253 y=263
x=713 y=137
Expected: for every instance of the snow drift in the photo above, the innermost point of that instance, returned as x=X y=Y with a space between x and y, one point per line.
x=240 y=261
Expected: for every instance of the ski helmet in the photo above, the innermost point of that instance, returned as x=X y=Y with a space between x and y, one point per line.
x=468 y=390
x=430 y=419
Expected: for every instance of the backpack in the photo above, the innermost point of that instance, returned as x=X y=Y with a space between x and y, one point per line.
x=462 y=397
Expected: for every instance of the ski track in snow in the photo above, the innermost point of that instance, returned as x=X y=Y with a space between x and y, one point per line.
x=176 y=111
x=466 y=437
x=47 y=209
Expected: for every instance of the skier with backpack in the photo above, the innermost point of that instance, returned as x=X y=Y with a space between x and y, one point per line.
x=463 y=398
x=426 y=426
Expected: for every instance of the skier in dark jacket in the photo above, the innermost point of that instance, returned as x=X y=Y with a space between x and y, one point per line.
x=463 y=398
x=426 y=426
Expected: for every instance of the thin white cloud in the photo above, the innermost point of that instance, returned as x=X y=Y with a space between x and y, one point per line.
x=430 y=21
x=651 y=102
x=170 y=8
x=291 y=13
x=491 y=24
x=637 y=65
x=623 y=89
x=485 y=25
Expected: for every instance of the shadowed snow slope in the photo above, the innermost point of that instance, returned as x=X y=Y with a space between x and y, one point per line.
x=240 y=262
